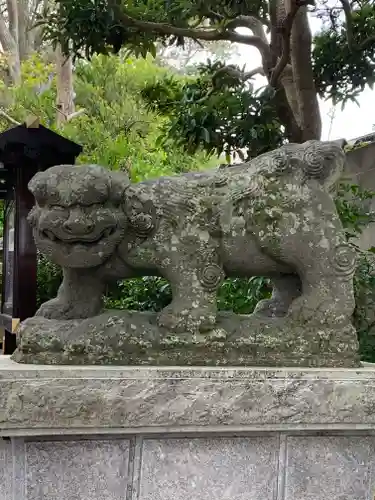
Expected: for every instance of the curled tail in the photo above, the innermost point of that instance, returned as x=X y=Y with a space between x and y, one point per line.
x=323 y=161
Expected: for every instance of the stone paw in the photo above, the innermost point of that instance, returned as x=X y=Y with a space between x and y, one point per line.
x=187 y=320
x=319 y=312
x=307 y=309
x=60 y=310
x=270 y=308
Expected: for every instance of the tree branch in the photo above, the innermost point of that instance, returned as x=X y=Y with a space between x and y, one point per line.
x=253 y=72
x=35 y=7
x=286 y=30
x=349 y=23
x=250 y=22
x=233 y=72
x=9 y=118
x=75 y=114
x=209 y=35
x=236 y=73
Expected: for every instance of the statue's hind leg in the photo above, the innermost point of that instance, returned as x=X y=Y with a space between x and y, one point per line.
x=312 y=241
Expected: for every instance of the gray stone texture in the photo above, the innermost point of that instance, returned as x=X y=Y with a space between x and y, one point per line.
x=113 y=433
x=264 y=467
x=188 y=469
x=53 y=400
x=77 y=470
x=273 y=216
x=133 y=338
x=6 y=469
x=323 y=467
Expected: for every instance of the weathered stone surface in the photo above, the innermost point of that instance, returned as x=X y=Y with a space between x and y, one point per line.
x=126 y=338
x=82 y=470
x=337 y=467
x=209 y=469
x=53 y=400
x=277 y=466
x=272 y=216
x=6 y=470
x=148 y=433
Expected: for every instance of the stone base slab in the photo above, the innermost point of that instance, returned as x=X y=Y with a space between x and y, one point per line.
x=51 y=400
x=142 y=433
x=133 y=338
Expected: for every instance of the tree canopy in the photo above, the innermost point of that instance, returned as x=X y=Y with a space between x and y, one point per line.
x=336 y=63
x=117 y=129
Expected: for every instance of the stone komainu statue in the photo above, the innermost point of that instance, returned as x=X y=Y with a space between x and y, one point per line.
x=272 y=216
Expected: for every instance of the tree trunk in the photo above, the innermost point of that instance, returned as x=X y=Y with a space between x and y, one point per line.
x=16 y=37
x=297 y=103
x=10 y=48
x=286 y=101
x=305 y=92
x=12 y=10
x=25 y=45
x=65 y=92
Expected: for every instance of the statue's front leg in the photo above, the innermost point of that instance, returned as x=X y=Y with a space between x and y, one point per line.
x=194 y=289
x=80 y=296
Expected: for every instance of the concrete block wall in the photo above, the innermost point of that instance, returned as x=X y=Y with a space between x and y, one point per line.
x=276 y=466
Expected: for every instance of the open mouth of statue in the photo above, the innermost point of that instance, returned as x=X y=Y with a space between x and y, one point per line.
x=82 y=240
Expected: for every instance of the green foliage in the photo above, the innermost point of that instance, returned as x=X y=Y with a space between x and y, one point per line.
x=49 y=277
x=217 y=111
x=364 y=314
x=117 y=129
x=149 y=293
x=353 y=205
x=153 y=294
x=242 y=295
x=341 y=70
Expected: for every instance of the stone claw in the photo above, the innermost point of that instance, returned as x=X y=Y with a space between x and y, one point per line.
x=60 y=310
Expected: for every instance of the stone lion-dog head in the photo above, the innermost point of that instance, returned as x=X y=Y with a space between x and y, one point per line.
x=78 y=219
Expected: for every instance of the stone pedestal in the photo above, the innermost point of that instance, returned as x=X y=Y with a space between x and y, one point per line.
x=117 y=433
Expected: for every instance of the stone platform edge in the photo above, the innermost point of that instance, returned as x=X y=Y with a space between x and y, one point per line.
x=40 y=400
